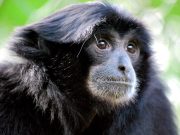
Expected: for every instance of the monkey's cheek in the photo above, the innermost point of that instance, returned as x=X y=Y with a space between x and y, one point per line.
x=114 y=92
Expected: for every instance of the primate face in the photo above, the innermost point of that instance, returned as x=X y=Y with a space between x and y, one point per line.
x=112 y=77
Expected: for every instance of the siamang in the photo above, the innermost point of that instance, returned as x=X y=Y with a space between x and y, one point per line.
x=85 y=70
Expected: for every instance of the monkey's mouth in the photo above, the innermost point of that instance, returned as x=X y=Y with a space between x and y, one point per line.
x=113 y=89
x=117 y=82
x=117 y=86
x=119 y=79
x=112 y=80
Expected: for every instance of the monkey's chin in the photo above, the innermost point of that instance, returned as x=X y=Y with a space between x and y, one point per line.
x=115 y=92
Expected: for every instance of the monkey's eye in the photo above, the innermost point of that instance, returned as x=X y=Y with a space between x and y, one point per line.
x=131 y=47
x=103 y=44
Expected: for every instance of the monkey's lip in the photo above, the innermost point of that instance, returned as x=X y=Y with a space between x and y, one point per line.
x=117 y=82
x=112 y=80
x=128 y=83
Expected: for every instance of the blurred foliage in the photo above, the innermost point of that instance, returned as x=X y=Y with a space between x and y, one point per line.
x=161 y=16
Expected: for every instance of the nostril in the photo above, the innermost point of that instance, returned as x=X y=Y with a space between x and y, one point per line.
x=122 y=68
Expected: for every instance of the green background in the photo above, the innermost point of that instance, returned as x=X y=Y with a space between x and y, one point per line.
x=162 y=18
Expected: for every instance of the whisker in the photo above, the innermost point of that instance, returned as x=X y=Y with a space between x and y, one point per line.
x=96 y=38
x=81 y=48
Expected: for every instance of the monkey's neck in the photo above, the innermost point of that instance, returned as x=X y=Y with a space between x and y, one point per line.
x=82 y=114
x=75 y=117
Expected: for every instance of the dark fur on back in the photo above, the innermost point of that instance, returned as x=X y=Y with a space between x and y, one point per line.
x=46 y=93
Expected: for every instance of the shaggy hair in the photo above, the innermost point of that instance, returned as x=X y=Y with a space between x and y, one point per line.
x=43 y=81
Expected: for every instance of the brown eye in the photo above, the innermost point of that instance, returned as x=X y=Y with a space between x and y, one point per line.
x=103 y=44
x=131 y=47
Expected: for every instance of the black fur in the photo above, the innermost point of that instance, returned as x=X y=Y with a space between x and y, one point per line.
x=46 y=94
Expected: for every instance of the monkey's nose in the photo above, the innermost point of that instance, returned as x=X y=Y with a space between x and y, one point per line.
x=123 y=69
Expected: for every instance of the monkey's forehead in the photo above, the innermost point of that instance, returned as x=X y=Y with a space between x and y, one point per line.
x=76 y=23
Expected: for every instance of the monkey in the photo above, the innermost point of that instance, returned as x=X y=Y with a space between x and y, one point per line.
x=84 y=70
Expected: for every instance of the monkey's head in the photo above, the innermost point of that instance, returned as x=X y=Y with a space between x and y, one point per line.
x=116 y=50
x=112 y=76
x=90 y=49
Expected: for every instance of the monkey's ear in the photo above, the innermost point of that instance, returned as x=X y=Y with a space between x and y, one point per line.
x=72 y=24
x=27 y=43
